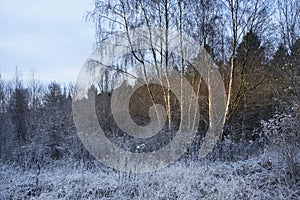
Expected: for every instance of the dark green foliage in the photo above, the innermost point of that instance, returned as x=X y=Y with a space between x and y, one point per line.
x=18 y=108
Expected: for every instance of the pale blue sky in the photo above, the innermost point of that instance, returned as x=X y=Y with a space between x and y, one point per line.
x=49 y=36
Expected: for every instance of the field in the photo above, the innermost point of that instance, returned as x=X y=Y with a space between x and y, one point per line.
x=260 y=177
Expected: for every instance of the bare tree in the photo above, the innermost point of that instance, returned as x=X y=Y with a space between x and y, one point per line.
x=288 y=16
x=244 y=16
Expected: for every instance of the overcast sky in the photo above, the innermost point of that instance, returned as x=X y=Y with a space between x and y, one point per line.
x=49 y=36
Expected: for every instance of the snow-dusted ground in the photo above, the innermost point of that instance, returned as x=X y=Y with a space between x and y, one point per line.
x=256 y=178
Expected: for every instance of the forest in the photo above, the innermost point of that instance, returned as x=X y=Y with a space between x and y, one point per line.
x=255 y=45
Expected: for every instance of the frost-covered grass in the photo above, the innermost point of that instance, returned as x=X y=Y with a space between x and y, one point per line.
x=256 y=178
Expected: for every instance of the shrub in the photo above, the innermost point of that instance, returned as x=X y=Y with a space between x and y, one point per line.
x=282 y=134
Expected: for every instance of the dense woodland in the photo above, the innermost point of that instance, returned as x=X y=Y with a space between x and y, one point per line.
x=255 y=44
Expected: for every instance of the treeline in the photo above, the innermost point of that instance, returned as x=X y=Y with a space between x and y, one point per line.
x=255 y=44
x=36 y=123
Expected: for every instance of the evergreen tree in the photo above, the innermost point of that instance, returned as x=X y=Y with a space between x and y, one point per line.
x=295 y=72
x=279 y=75
x=55 y=103
x=18 y=108
x=250 y=102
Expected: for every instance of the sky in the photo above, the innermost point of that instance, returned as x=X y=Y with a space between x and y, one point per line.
x=48 y=37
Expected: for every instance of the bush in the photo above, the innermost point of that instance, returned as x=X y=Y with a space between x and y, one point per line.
x=282 y=134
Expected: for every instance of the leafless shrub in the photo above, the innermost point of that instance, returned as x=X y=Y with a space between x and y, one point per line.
x=282 y=134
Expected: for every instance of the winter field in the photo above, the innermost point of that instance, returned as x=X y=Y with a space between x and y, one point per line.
x=260 y=177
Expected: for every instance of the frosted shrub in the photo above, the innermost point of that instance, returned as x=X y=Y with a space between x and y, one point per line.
x=282 y=133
